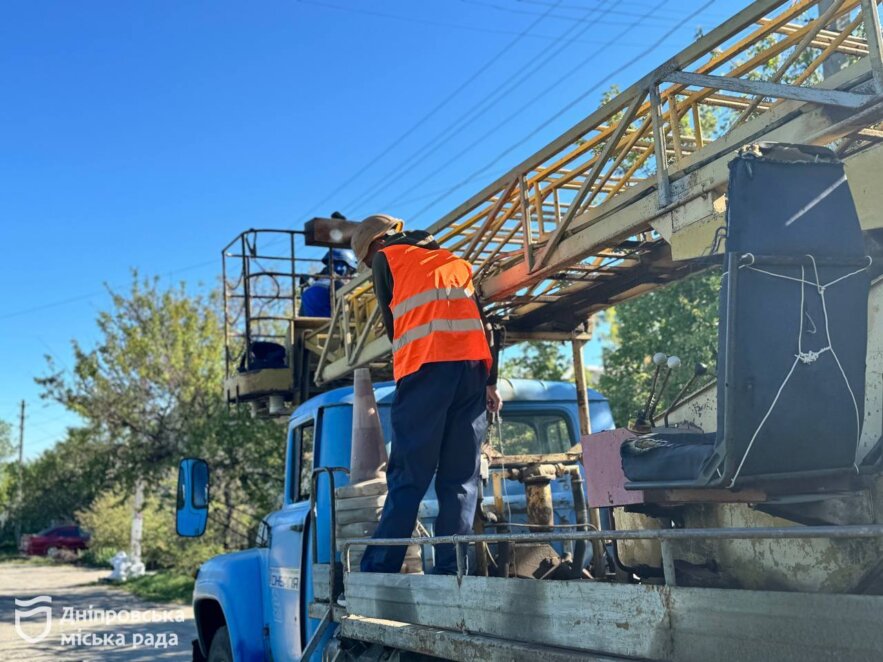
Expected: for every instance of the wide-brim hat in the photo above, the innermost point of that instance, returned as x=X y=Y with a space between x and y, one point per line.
x=370 y=229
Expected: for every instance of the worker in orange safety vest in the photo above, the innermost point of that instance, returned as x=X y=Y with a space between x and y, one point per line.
x=444 y=364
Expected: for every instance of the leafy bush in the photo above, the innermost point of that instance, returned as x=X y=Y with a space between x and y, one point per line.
x=109 y=520
x=98 y=557
x=149 y=391
x=679 y=319
x=61 y=481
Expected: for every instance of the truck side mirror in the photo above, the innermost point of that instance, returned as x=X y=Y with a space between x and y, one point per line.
x=191 y=507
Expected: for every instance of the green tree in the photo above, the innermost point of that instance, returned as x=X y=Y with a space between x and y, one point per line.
x=7 y=449
x=58 y=482
x=156 y=366
x=536 y=360
x=109 y=518
x=247 y=460
x=679 y=319
x=152 y=386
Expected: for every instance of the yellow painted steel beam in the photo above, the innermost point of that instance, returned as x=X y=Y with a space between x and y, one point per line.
x=597 y=184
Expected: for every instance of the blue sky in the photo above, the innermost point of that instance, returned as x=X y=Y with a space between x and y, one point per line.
x=148 y=134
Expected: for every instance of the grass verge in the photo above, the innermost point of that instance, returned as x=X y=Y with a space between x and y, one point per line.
x=15 y=557
x=165 y=586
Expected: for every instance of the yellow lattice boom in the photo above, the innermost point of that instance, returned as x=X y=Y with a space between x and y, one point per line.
x=631 y=197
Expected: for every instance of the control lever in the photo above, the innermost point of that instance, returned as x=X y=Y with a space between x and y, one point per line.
x=642 y=419
x=672 y=363
x=699 y=370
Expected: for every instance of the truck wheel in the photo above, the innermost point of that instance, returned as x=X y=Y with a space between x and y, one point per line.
x=221 y=650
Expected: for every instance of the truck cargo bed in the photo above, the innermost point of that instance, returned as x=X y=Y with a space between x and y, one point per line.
x=494 y=618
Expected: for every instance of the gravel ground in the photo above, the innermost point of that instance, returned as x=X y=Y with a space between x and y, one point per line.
x=92 y=637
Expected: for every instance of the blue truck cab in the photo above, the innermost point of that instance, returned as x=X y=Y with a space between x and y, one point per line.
x=253 y=604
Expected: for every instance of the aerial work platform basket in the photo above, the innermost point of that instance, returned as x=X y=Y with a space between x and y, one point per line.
x=270 y=345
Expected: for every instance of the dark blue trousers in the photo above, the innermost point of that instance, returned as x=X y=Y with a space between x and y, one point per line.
x=438 y=424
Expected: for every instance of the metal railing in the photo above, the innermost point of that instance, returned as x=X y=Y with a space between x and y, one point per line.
x=327 y=618
x=263 y=277
x=664 y=536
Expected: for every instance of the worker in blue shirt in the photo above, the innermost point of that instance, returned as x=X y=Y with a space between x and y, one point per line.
x=315 y=300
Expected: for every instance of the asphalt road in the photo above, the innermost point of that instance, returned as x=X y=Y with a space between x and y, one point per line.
x=89 y=621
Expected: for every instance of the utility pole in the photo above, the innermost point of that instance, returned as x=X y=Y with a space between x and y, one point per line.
x=20 y=495
x=137 y=522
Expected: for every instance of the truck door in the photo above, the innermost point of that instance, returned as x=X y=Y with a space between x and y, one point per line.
x=287 y=545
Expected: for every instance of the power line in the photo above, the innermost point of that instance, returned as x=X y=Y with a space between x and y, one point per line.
x=512 y=116
x=429 y=194
x=487 y=65
x=83 y=297
x=567 y=107
x=473 y=113
x=45 y=441
x=54 y=304
x=38 y=444
x=482 y=107
x=512 y=10
x=43 y=422
x=425 y=21
x=11 y=411
x=560 y=40
x=674 y=13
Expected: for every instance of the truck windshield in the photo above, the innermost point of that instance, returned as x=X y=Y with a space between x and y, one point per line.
x=530 y=433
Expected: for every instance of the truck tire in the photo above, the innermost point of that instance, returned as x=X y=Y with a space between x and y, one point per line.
x=221 y=650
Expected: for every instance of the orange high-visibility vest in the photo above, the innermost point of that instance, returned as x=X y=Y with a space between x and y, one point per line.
x=435 y=316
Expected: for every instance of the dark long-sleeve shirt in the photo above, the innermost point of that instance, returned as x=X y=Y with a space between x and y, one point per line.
x=383 y=290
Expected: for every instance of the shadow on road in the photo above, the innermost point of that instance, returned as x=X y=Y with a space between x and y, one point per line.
x=89 y=621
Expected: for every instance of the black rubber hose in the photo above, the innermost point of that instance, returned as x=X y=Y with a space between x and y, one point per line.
x=643 y=571
x=580 y=547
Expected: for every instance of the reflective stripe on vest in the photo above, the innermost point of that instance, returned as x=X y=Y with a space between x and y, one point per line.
x=435 y=315
x=434 y=326
x=437 y=294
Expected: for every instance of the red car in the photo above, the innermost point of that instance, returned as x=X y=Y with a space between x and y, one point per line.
x=69 y=537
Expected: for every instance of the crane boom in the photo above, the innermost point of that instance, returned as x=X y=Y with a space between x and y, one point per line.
x=628 y=199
